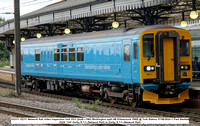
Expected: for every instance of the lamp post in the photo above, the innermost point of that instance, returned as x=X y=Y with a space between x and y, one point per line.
x=183 y=22
x=17 y=47
x=67 y=30
x=115 y=24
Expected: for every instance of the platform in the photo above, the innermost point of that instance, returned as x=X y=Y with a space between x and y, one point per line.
x=7 y=74
x=195 y=84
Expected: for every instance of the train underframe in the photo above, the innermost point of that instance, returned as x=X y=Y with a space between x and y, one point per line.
x=113 y=92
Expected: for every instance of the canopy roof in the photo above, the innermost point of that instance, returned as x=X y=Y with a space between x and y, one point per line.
x=96 y=15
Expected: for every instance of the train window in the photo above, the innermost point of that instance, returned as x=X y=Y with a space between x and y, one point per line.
x=37 y=55
x=80 y=54
x=135 y=51
x=184 y=48
x=44 y=56
x=127 y=53
x=148 y=45
x=56 y=54
x=64 y=54
x=51 y=54
x=21 y=56
x=48 y=55
x=71 y=54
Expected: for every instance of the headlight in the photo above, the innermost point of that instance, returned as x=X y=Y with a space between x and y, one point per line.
x=185 y=67
x=149 y=68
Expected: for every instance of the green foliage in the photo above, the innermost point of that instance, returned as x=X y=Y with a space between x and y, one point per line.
x=4 y=63
x=93 y=106
x=4 y=55
x=77 y=103
x=10 y=93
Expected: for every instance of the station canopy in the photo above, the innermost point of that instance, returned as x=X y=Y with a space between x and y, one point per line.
x=95 y=15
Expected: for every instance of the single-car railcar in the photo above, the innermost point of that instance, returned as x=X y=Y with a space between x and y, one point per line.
x=150 y=63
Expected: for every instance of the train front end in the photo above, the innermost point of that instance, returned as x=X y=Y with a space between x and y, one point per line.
x=166 y=65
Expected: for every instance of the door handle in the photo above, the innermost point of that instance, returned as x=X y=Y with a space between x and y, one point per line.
x=172 y=59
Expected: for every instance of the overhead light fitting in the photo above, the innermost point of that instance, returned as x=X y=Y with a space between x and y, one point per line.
x=183 y=22
x=194 y=14
x=67 y=30
x=39 y=35
x=23 y=39
x=115 y=24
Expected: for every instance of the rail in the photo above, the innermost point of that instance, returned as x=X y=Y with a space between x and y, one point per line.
x=39 y=110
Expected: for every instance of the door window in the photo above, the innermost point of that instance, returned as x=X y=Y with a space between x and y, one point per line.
x=135 y=51
x=127 y=53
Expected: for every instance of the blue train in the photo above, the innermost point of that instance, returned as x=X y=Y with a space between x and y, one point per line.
x=150 y=63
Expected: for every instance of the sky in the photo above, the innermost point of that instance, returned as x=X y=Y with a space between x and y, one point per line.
x=26 y=6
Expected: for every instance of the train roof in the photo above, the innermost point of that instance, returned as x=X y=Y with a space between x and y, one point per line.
x=94 y=35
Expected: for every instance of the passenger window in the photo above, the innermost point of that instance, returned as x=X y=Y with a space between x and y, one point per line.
x=21 y=56
x=80 y=54
x=148 y=45
x=127 y=53
x=184 y=48
x=64 y=54
x=56 y=54
x=51 y=54
x=71 y=54
x=135 y=51
x=44 y=56
x=48 y=55
x=37 y=55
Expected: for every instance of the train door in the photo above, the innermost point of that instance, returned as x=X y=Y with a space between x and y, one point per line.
x=168 y=57
x=135 y=63
x=127 y=71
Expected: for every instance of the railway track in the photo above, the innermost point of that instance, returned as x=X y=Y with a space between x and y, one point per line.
x=50 y=113
x=193 y=114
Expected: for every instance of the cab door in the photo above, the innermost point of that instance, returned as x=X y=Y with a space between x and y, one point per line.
x=127 y=71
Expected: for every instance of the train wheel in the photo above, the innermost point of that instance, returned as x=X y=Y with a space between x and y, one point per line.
x=112 y=100
x=133 y=104
x=38 y=89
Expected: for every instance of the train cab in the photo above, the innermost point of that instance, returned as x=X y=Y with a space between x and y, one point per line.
x=165 y=65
